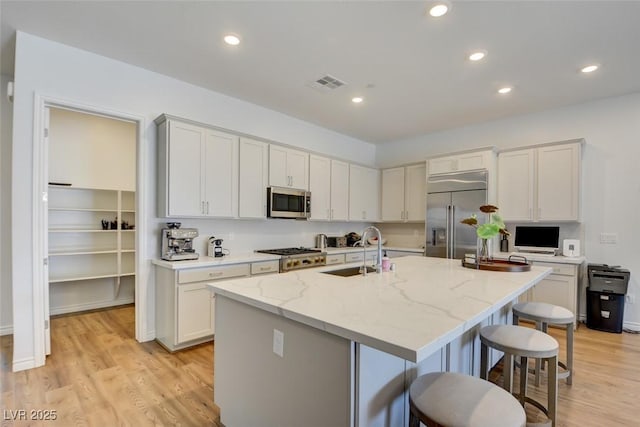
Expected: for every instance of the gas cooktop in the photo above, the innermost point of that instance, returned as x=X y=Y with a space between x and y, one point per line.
x=297 y=258
x=290 y=251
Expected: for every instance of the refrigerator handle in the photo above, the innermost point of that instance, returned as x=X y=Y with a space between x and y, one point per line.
x=448 y=233
x=453 y=232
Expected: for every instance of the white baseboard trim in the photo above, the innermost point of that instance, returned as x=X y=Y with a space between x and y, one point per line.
x=634 y=326
x=90 y=306
x=150 y=336
x=6 y=330
x=24 y=364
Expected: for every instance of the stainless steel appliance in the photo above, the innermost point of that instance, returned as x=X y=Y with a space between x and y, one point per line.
x=177 y=243
x=298 y=258
x=321 y=241
x=288 y=203
x=337 y=242
x=451 y=198
x=214 y=249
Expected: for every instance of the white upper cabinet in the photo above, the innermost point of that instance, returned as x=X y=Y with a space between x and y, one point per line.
x=254 y=157
x=220 y=171
x=364 y=193
x=329 y=186
x=320 y=187
x=197 y=171
x=288 y=167
x=339 y=191
x=393 y=194
x=404 y=193
x=461 y=162
x=540 y=184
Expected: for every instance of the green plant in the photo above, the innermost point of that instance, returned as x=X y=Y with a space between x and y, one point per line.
x=491 y=228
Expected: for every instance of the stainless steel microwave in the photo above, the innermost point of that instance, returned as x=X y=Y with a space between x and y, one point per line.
x=285 y=202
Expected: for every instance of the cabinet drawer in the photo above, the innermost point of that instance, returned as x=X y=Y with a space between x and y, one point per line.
x=335 y=259
x=265 y=267
x=213 y=273
x=354 y=257
x=561 y=269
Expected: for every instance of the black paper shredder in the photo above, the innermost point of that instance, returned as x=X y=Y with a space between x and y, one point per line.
x=605 y=297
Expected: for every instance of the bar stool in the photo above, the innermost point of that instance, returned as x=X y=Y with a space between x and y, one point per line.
x=524 y=343
x=543 y=315
x=447 y=399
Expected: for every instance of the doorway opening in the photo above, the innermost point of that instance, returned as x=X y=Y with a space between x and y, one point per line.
x=91 y=211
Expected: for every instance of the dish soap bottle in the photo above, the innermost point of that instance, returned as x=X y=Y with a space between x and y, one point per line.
x=386 y=262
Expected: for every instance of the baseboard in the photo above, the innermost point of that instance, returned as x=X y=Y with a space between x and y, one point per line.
x=90 y=306
x=634 y=326
x=6 y=330
x=24 y=364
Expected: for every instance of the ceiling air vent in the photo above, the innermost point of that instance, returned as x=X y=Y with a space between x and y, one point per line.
x=326 y=83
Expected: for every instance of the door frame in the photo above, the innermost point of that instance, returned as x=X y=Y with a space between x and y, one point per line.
x=143 y=331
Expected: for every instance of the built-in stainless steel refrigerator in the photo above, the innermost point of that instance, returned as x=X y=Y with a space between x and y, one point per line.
x=450 y=199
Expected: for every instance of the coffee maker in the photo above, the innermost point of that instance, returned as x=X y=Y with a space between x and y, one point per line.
x=177 y=243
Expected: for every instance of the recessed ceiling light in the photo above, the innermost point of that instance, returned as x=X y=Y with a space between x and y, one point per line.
x=504 y=90
x=232 y=39
x=589 y=69
x=478 y=55
x=357 y=99
x=439 y=9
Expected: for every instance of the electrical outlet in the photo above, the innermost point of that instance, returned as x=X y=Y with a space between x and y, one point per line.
x=609 y=238
x=630 y=299
x=278 y=342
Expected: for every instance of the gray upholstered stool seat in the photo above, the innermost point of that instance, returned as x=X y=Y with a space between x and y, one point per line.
x=543 y=315
x=524 y=343
x=455 y=400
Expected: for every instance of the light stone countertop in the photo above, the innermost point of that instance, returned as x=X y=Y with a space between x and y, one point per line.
x=411 y=313
x=205 y=261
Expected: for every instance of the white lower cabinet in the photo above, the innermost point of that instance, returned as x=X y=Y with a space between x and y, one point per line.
x=335 y=259
x=559 y=288
x=185 y=305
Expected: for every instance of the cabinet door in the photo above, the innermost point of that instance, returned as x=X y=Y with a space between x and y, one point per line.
x=415 y=190
x=278 y=173
x=516 y=185
x=298 y=169
x=393 y=192
x=253 y=179
x=372 y=195
x=185 y=161
x=357 y=190
x=195 y=312
x=320 y=187
x=442 y=165
x=558 y=182
x=221 y=174
x=339 y=191
x=557 y=290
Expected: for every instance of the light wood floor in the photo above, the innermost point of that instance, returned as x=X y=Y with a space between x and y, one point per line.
x=98 y=375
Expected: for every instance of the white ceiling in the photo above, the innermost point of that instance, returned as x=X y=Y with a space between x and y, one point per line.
x=410 y=68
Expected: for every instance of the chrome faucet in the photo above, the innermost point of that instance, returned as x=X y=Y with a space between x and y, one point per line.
x=363 y=239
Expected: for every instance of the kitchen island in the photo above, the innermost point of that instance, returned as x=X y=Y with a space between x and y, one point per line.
x=314 y=349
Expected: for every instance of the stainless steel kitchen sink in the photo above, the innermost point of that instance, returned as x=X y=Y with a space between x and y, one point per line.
x=350 y=271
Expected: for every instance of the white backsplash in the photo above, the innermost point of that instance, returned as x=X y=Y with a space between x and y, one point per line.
x=248 y=235
x=406 y=235
x=569 y=230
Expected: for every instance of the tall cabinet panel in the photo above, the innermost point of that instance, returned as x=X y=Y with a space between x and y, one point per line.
x=339 y=190
x=185 y=186
x=516 y=184
x=254 y=166
x=220 y=171
x=364 y=190
x=415 y=192
x=320 y=187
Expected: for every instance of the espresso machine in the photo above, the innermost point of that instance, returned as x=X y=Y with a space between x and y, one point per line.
x=177 y=243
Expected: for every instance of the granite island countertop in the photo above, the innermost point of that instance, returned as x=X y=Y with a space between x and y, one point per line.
x=411 y=313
